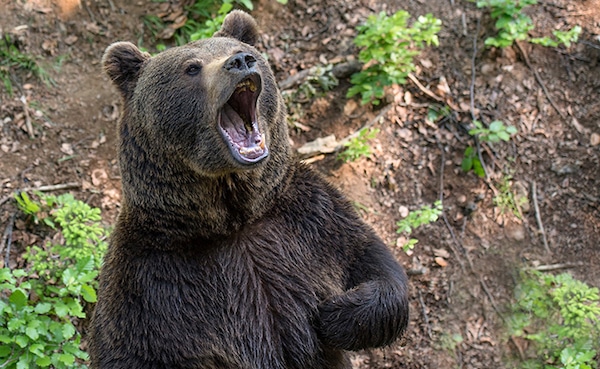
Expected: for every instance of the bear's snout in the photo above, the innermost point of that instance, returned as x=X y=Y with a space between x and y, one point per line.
x=240 y=62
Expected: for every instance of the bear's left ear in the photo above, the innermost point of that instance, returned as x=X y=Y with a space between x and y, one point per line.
x=239 y=25
x=122 y=62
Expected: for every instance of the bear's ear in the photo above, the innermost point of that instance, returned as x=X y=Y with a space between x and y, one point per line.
x=239 y=25
x=122 y=62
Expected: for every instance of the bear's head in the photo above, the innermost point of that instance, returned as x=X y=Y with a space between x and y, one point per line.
x=211 y=105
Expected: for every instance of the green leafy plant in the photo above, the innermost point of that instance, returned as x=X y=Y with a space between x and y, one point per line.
x=213 y=22
x=358 y=146
x=560 y=316
x=388 y=47
x=496 y=132
x=512 y=24
x=562 y=37
x=41 y=306
x=416 y=218
x=12 y=59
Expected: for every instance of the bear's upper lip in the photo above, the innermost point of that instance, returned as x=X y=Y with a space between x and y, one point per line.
x=238 y=123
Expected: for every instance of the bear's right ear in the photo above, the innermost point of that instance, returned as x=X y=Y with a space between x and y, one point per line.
x=122 y=62
x=239 y=25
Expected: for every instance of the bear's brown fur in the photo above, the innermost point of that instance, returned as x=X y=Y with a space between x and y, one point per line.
x=228 y=253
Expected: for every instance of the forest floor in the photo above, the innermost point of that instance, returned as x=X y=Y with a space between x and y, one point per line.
x=465 y=266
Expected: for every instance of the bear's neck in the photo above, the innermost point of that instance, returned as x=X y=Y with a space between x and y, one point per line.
x=169 y=204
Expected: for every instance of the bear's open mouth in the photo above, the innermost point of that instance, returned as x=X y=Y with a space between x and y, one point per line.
x=238 y=122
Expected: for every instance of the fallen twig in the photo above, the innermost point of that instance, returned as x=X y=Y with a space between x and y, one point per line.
x=329 y=145
x=538 y=217
x=551 y=267
x=441 y=197
x=7 y=239
x=28 y=124
x=5 y=199
x=539 y=79
x=56 y=187
x=425 y=316
x=430 y=93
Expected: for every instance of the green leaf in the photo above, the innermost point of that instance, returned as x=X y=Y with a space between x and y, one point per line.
x=24 y=362
x=247 y=4
x=43 y=308
x=61 y=309
x=44 y=361
x=5 y=351
x=478 y=168
x=32 y=333
x=37 y=349
x=67 y=359
x=68 y=331
x=496 y=126
x=88 y=293
x=22 y=341
x=18 y=298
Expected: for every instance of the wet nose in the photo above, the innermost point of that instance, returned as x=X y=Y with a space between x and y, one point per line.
x=240 y=61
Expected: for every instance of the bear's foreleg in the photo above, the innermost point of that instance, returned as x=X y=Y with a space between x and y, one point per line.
x=374 y=310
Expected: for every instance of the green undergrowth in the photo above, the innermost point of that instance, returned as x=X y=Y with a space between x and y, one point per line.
x=43 y=304
x=559 y=316
x=513 y=24
x=358 y=146
x=425 y=215
x=388 y=47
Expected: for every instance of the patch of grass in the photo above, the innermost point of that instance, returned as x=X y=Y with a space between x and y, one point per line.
x=388 y=46
x=506 y=199
x=358 y=146
x=513 y=24
x=560 y=317
x=12 y=60
x=42 y=305
x=416 y=218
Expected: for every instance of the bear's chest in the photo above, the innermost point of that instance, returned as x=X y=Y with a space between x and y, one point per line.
x=250 y=303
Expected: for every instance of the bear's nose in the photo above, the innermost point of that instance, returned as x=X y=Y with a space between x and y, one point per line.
x=240 y=61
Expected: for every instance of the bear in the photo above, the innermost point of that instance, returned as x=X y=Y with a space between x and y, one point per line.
x=228 y=252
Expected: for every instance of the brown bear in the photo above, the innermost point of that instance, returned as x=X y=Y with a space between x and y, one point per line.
x=227 y=252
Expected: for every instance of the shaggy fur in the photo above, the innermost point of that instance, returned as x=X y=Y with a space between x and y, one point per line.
x=215 y=263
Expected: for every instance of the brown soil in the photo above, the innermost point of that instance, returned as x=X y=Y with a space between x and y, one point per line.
x=463 y=269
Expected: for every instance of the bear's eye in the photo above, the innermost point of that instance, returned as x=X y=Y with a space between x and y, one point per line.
x=193 y=69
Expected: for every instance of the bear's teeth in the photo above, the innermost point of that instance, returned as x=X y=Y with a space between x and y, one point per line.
x=245 y=85
x=253 y=150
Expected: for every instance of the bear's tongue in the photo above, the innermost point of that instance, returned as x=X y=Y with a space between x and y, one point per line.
x=241 y=129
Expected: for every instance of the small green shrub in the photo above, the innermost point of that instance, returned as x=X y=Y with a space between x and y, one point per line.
x=560 y=316
x=358 y=146
x=42 y=306
x=513 y=24
x=496 y=132
x=388 y=47
x=416 y=218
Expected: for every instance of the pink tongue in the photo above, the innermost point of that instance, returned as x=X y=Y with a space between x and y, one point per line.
x=248 y=144
x=233 y=124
